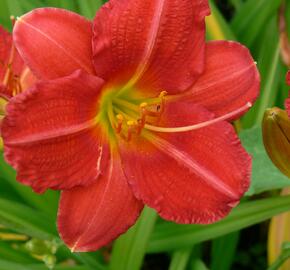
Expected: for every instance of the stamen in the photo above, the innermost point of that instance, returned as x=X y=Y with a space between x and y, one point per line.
x=131 y=126
x=200 y=125
x=120 y=119
x=162 y=97
x=13 y=20
x=143 y=113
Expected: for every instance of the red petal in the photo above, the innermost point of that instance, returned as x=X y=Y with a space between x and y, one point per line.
x=191 y=177
x=54 y=42
x=231 y=78
x=49 y=135
x=91 y=217
x=154 y=44
x=5 y=50
x=288 y=78
x=27 y=79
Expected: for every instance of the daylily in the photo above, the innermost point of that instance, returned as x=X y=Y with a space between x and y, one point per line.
x=132 y=109
x=15 y=76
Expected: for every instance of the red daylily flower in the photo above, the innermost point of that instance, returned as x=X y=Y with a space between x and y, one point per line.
x=101 y=127
x=15 y=76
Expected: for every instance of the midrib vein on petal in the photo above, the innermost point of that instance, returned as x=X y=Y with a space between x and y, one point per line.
x=224 y=79
x=82 y=65
x=57 y=133
x=208 y=177
x=145 y=61
x=100 y=206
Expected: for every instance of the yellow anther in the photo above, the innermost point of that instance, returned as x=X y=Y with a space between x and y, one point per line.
x=131 y=123
x=163 y=94
x=143 y=105
x=120 y=117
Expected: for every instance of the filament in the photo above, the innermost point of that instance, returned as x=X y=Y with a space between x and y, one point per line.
x=200 y=125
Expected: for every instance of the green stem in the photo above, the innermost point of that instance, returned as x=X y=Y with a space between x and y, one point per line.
x=284 y=256
x=180 y=259
x=129 y=250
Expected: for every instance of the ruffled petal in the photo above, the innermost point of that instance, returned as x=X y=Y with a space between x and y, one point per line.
x=230 y=80
x=91 y=217
x=54 y=42
x=150 y=44
x=190 y=177
x=51 y=136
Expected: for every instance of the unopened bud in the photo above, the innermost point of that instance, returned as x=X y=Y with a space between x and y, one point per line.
x=276 y=137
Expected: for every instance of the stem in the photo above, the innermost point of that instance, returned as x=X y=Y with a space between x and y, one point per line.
x=284 y=256
x=129 y=250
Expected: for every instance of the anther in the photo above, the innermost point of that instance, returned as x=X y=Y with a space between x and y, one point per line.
x=163 y=94
x=143 y=105
x=162 y=104
x=13 y=20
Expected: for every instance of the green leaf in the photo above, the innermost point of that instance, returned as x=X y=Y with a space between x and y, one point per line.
x=129 y=250
x=11 y=254
x=216 y=26
x=6 y=265
x=88 y=8
x=252 y=17
x=265 y=176
x=180 y=259
x=170 y=236
x=198 y=264
x=4 y=15
x=229 y=243
x=47 y=202
x=15 y=8
x=283 y=257
x=25 y=220
x=89 y=260
x=270 y=67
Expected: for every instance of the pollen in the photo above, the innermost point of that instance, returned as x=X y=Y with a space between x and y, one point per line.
x=163 y=94
x=131 y=123
x=120 y=118
x=143 y=105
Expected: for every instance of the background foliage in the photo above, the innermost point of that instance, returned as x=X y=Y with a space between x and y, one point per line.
x=29 y=240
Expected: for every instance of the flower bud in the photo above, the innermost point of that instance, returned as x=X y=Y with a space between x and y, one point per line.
x=276 y=137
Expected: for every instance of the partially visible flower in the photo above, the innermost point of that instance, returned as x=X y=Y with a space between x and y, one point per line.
x=15 y=76
x=134 y=112
x=276 y=135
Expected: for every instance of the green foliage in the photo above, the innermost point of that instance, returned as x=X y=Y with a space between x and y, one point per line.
x=265 y=176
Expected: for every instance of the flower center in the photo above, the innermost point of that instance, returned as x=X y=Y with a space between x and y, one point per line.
x=127 y=117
